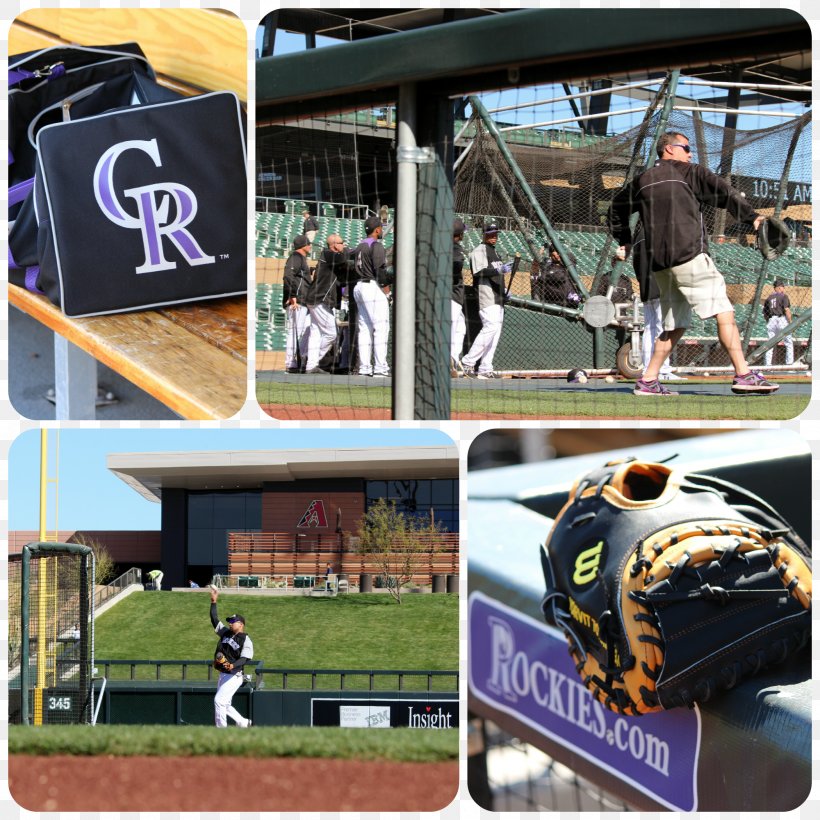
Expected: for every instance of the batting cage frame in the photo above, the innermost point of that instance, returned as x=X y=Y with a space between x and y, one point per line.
x=53 y=650
x=339 y=86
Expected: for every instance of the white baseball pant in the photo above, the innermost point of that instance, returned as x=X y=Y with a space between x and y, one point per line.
x=458 y=329
x=373 y=328
x=773 y=327
x=226 y=688
x=298 y=329
x=484 y=345
x=653 y=327
x=322 y=334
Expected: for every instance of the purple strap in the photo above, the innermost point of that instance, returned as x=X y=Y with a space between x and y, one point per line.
x=31 y=279
x=17 y=75
x=31 y=275
x=18 y=192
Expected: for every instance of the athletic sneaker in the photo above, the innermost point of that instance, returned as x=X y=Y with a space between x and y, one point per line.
x=752 y=382
x=653 y=388
x=489 y=374
x=468 y=369
x=671 y=377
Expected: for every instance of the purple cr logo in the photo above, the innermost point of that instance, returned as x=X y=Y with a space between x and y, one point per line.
x=153 y=207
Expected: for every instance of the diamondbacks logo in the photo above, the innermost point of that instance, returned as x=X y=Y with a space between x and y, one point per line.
x=314 y=515
x=153 y=204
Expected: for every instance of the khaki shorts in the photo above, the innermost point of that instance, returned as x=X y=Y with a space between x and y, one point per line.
x=695 y=285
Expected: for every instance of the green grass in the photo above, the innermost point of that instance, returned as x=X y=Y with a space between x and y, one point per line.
x=408 y=745
x=323 y=395
x=355 y=631
x=608 y=404
x=551 y=403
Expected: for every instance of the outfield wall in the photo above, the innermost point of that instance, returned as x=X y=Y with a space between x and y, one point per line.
x=179 y=703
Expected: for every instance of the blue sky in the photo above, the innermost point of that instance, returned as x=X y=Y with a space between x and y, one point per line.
x=91 y=497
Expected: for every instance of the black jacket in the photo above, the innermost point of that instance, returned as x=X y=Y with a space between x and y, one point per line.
x=371 y=262
x=669 y=198
x=330 y=276
x=296 y=279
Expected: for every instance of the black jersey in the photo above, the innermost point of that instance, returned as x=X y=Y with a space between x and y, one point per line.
x=776 y=305
x=237 y=647
x=458 y=274
x=371 y=262
x=296 y=279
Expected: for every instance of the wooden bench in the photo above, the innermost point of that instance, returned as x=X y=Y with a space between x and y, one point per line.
x=191 y=358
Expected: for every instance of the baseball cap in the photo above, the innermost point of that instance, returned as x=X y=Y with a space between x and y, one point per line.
x=232 y=619
x=458 y=227
x=300 y=241
x=491 y=228
x=371 y=223
x=778 y=282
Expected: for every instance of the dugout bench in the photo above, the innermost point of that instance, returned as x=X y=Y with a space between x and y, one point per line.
x=748 y=749
x=192 y=358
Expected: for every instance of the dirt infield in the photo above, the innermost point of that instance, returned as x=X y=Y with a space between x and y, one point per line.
x=97 y=784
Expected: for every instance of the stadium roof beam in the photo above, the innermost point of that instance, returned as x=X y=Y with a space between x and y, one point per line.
x=509 y=49
x=149 y=473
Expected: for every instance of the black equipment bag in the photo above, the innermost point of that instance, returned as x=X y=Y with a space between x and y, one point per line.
x=139 y=202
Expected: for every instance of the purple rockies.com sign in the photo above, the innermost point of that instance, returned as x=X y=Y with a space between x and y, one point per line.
x=521 y=666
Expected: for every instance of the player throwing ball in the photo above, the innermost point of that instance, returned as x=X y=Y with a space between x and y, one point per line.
x=233 y=651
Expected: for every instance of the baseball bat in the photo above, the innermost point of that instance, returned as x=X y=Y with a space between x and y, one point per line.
x=515 y=264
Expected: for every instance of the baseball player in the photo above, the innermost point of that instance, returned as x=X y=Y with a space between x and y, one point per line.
x=777 y=310
x=296 y=280
x=488 y=277
x=370 y=294
x=233 y=651
x=310 y=226
x=670 y=198
x=458 y=326
x=322 y=298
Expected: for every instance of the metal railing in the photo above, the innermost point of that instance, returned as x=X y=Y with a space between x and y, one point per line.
x=127 y=579
x=341 y=210
x=313 y=679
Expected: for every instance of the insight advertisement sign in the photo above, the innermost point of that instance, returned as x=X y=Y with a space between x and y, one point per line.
x=521 y=666
x=369 y=714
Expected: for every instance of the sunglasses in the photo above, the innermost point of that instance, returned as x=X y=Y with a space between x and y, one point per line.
x=686 y=148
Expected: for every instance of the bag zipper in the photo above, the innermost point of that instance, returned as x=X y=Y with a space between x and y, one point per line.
x=65 y=105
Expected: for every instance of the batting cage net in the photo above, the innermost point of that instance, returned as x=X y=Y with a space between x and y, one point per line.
x=335 y=170
x=571 y=178
x=51 y=635
x=541 y=163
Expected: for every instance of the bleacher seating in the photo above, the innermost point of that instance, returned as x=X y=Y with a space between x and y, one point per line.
x=275 y=232
x=740 y=265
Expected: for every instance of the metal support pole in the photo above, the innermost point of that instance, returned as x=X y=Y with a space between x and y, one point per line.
x=75 y=381
x=404 y=337
x=481 y=111
x=669 y=89
x=778 y=209
x=769 y=344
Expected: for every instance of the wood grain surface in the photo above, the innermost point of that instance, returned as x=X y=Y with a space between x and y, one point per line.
x=192 y=358
x=207 y=49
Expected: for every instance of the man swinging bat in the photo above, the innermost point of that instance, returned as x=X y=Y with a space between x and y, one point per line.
x=233 y=651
